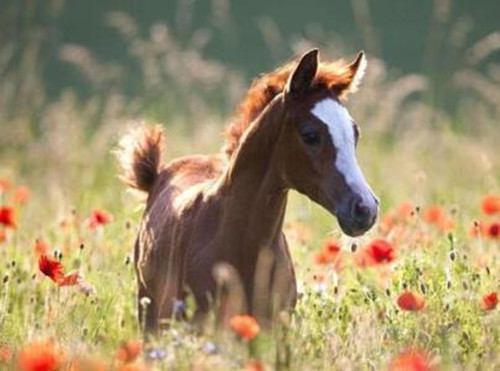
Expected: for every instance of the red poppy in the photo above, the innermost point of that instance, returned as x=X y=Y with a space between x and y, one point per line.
x=129 y=351
x=411 y=301
x=245 y=326
x=323 y=258
x=71 y=279
x=490 y=301
x=492 y=230
x=254 y=365
x=411 y=360
x=41 y=247
x=332 y=247
x=491 y=204
x=377 y=252
x=434 y=214
x=437 y=216
x=405 y=210
x=22 y=194
x=99 y=218
x=8 y=217
x=51 y=268
x=40 y=356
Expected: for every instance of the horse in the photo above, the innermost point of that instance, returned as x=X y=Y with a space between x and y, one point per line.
x=213 y=216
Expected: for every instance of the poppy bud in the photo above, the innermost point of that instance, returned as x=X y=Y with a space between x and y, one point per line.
x=452 y=255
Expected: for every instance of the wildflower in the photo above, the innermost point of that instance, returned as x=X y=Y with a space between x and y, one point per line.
x=491 y=204
x=437 y=216
x=8 y=217
x=411 y=360
x=411 y=301
x=245 y=326
x=99 y=218
x=22 y=195
x=405 y=210
x=129 y=351
x=330 y=254
x=70 y=279
x=331 y=247
x=492 y=230
x=254 y=365
x=434 y=214
x=377 y=252
x=43 y=355
x=490 y=301
x=51 y=268
x=41 y=247
x=381 y=251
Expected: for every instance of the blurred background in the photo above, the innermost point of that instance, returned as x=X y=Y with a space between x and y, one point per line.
x=73 y=73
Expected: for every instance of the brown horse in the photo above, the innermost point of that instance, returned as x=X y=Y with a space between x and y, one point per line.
x=291 y=132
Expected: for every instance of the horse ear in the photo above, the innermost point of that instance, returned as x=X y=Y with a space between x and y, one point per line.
x=357 y=71
x=303 y=75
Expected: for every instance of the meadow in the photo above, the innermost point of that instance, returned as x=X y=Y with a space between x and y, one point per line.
x=418 y=292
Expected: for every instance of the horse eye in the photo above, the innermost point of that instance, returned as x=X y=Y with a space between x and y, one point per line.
x=310 y=136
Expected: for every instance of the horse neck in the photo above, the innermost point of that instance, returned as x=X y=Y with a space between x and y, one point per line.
x=254 y=196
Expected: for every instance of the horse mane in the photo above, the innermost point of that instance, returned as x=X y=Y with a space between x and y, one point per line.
x=335 y=76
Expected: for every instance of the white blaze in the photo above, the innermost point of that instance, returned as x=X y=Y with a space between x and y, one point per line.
x=340 y=126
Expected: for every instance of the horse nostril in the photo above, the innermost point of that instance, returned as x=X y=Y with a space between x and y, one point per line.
x=360 y=211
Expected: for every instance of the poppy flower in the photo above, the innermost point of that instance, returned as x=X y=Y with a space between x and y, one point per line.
x=376 y=253
x=434 y=214
x=411 y=301
x=490 y=301
x=437 y=216
x=405 y=210
x=332 y=247
x=323 y=258
x=129 y=351
x=330 y=254
x=491 y=204
x=8 y=217
x=133 y=367
x=41 y=247
x=44 y=355
x=411 y=360
x=22 y=194
x=99 y=218
x=245 y=326
x=71 y=279
x=51 y=268
x=254 y=365
x=492 y=230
